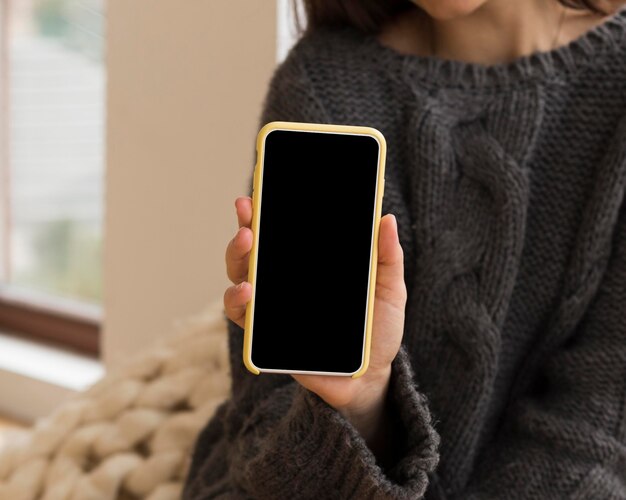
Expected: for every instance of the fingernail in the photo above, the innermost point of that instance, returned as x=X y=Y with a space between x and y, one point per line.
x=239 y=286
x=395 y=223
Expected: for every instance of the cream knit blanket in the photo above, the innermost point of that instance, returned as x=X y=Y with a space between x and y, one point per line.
x=130 y=436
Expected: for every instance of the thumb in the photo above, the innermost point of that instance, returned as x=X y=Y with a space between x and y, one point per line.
x=390 y=285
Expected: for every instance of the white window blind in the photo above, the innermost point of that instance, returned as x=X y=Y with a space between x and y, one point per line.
x=52 y=91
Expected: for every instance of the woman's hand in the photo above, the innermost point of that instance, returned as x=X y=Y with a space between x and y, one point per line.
x=361 y=400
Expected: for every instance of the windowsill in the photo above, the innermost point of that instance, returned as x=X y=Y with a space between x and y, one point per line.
x=35 y=377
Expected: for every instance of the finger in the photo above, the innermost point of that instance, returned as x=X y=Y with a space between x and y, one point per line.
x=390 y=284
x=235 y=299
x=243 y=206
x=238 y=254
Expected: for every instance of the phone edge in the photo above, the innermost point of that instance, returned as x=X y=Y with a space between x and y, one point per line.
x=256 y=203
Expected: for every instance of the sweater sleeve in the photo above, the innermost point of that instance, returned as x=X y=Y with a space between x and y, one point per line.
x=276 y=439
x=273 y=438
x=566 y=438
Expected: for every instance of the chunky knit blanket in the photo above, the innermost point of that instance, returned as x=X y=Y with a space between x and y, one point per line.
x=129 y=436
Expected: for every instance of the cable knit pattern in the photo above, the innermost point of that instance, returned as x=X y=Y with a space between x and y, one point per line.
x=508 y=185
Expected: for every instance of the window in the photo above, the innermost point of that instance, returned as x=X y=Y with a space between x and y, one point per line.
x=52 y=128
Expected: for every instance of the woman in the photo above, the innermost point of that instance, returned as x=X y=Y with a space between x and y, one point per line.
x=498 y=365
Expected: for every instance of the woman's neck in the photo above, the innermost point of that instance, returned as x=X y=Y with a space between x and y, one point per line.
x=497 y=32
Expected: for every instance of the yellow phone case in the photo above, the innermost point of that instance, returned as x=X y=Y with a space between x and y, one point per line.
x=256 y=205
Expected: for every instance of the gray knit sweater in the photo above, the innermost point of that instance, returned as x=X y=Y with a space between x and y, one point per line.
x=508 y=184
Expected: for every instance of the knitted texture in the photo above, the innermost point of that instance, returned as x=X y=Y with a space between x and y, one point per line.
x=507 y=182
x=130 y=436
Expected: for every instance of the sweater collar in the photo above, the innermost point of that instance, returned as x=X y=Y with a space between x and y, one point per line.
x=607 y=39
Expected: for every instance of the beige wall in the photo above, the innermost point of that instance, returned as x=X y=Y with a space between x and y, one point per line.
x=185 y=86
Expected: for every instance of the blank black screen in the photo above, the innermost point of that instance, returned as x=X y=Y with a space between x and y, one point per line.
x=315 y=242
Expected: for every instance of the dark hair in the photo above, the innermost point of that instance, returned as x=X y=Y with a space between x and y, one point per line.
x=370 y=15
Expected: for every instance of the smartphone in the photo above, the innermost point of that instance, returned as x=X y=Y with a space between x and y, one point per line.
x=316 y=208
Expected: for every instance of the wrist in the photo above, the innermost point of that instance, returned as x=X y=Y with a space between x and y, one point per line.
x=368 y=413
x=377 y=427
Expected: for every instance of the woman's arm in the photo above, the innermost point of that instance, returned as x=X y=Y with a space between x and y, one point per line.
x=283 y=441
x=314 y=452
x=276 y=439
